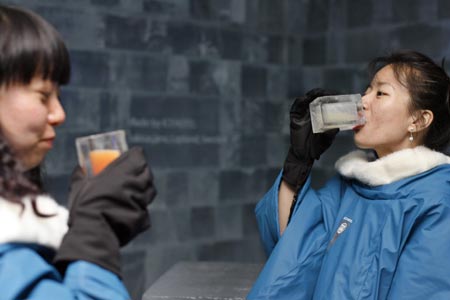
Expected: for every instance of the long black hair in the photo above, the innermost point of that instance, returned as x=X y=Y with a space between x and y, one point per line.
x=29 y=47
x=14 y=184
x=429 y=88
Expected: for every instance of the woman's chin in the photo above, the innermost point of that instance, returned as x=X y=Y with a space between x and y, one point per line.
x=31 y=162
x=361 y=144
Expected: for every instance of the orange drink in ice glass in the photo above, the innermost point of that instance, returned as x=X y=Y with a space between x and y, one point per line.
x=96 y=152
x=102 y=158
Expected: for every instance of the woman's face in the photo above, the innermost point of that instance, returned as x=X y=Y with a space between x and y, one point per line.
x=28 y=117
x=388 y=118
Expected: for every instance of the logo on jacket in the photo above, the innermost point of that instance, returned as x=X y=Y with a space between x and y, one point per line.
x=345 y=223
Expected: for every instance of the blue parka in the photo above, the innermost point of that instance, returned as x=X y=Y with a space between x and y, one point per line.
x=378 y=230
x=27 y=243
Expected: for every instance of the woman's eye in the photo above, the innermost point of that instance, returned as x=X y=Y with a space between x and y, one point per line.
x=44 y=97
x=381 y=93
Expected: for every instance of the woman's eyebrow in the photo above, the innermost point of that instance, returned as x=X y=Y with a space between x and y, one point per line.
x=380 y=83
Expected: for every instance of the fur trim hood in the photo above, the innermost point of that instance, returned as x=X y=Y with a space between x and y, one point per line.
x=22 y=225
x=390 y=168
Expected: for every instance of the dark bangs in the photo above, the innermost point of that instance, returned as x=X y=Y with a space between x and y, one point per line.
x=416 y=72
x=401 y=66
x=30 y=47
x=429 y=87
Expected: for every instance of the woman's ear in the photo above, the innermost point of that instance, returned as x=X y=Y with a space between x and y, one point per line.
x=424 y=119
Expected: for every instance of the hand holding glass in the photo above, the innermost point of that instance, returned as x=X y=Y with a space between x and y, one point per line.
x=96 y=152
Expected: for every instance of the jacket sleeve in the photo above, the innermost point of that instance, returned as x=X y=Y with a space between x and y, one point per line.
x=267 y=214
x=24 y=274
x=296 y=257
x=423 y=269
x=267 y=217
x=267 y=208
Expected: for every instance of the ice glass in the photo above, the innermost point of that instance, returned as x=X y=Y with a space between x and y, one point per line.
x=341 y=111
x=96 y=152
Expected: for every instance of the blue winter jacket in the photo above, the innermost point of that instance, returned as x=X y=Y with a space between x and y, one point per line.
x=27 y=243
x=378 y=230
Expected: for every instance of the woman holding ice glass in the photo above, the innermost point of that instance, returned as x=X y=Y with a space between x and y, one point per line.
x=380 y=229
x=41 y=257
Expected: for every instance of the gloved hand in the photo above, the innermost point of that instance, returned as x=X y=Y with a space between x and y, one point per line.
x=107 y=211
x=306 y=146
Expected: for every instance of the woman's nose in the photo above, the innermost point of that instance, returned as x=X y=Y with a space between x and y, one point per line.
x=56 y=114
x=364 y=100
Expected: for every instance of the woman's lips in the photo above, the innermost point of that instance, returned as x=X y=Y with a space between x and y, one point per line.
x=48 y=142
x=358 y=127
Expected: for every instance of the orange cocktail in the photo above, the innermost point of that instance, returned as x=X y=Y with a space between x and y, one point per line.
x=97 y=151
x=100 y=159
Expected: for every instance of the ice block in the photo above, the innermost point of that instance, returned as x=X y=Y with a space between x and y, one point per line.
x=341 y=111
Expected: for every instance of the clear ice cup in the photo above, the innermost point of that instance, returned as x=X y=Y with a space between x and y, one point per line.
x=96 y=152
x=341 y=111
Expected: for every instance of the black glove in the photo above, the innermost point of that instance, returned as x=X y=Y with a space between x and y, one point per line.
x=107 y=211
x=305 y=145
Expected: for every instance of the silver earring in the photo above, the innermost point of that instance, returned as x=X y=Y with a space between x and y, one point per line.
x=411 y=138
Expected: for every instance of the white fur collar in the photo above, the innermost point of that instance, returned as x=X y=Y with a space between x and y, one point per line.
x=390 y=168
x=17 y=225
